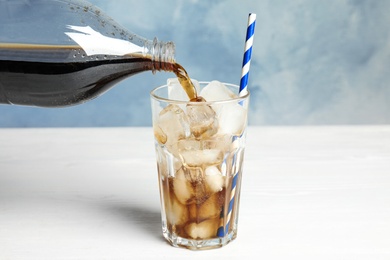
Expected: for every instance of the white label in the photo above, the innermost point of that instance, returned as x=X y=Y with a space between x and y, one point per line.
x=94 y=43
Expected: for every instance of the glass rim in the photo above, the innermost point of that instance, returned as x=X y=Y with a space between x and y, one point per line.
x=175 y=101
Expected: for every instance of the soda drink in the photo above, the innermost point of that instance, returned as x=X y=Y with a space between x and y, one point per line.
x=200 y=149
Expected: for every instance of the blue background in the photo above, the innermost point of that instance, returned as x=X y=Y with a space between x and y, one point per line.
x=313 y=62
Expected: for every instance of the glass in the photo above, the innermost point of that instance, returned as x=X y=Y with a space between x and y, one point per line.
x=199 y=151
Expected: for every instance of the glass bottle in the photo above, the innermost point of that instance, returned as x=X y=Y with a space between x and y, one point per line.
x=64 y=52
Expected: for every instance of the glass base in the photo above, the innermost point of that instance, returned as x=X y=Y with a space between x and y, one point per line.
x=199 y=244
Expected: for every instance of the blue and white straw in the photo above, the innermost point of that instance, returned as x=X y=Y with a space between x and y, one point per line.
x=224 y=228
x=246 y=63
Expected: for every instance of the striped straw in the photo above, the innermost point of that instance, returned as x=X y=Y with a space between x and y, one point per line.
x=224 y=229
x=246 y=62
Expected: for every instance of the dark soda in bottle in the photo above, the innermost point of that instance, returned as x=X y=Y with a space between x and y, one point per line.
x=74 y=57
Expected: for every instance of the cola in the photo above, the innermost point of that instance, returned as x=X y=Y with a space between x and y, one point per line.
x=200 y=216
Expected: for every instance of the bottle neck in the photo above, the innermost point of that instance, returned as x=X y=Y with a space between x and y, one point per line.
x=161 y=53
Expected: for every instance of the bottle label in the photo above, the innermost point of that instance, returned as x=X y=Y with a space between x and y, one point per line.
x=94 y=43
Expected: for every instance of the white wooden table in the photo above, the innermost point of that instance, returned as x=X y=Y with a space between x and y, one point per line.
x=91 y=193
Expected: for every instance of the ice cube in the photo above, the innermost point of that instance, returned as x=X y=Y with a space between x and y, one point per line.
x=173 y=124
x=201 y=194
x=194 y=174
x=189 y=144
x=232 y=119
x=209 y=207
x=182 y=187
x=197 y=153
x=203 y=230
x=212 y=207
x=221 y=142
x=202 y=119
x=176 y=91
x=216 y=90
x=177 y=213
x=159 y=135
x=231 y=116
x=198 y=158
x=214 y=179
x=189 y=186
x=176 y=164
